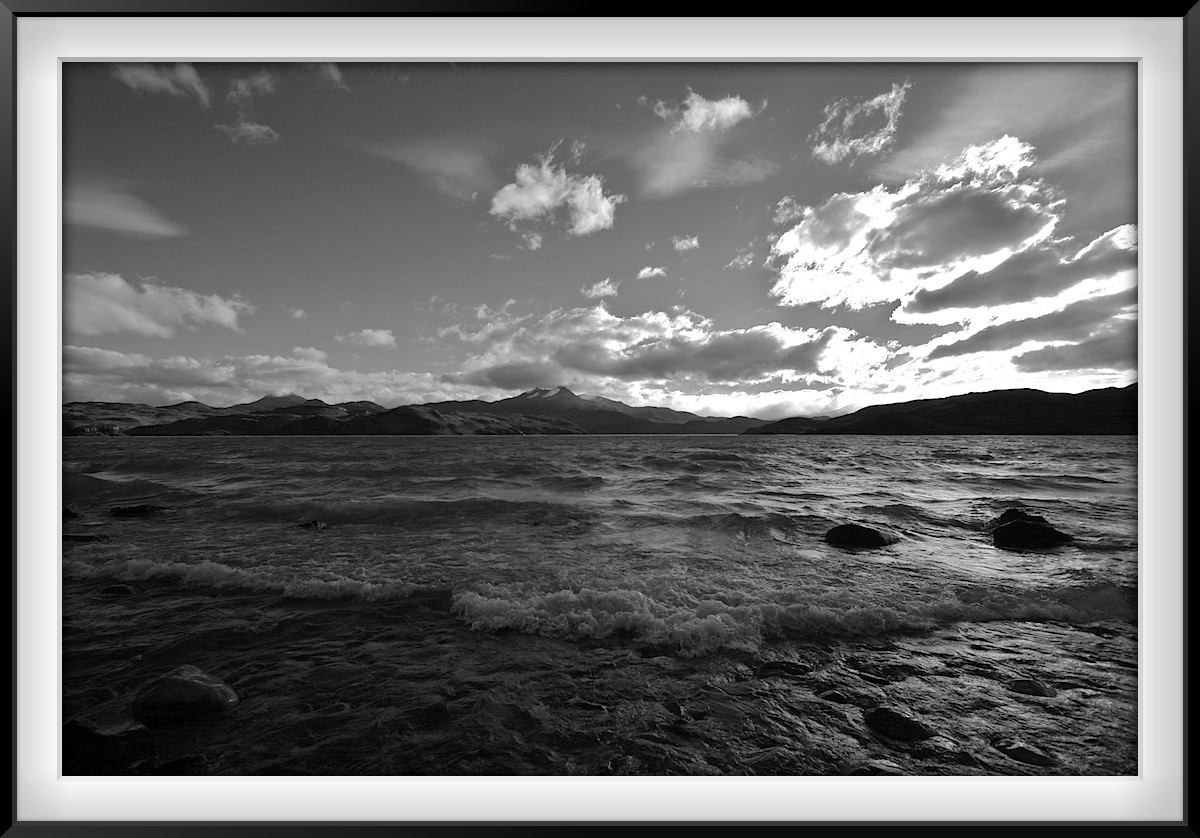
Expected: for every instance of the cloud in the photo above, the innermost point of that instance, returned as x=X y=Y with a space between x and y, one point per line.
x=603 y=288
x=682 y=243
x=698 y=114
x=309 y=353
x=889 y=244
x=244 y=90
x=105 y=303
x=593 y=348
x=368 y=337
x=673 y=163
x=855 y=129
x=298 y=313
x=457 y=170
x=331 y=76
x=1042 y=271
x=542 y=192
x=108 y=206
x=787 y=211
x=93 y=374
x=1111 y=347
x=244 y=132
x=648 y=272
x=743 y=260
x=1080 y=321
x=176 y=80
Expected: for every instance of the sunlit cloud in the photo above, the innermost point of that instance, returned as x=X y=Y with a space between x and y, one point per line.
x=111 y=207
x=603 y=288
x=104 y=303
x=854 y=129
x=543 y=193
x=175 y=80
x=368 y=338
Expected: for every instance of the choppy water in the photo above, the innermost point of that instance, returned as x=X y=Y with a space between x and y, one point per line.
x=607 y=604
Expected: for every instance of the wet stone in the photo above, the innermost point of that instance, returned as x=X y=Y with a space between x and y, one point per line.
x=896 y=725
x=1029 y=686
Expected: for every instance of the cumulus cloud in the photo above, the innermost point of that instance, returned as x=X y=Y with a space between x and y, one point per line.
x=105 y=303
x=698 y=114
x=648 y=272
x=603 y=288
x=682 y=243
x=458 y=170
x=787 y=211
x=888 y=244
x=245 y=132
x=244 y=90
x=854 y=129
x=111 y=207
x=176 y=80
x=93 y=374
x=368 y=337
x=543 y=193
x=595 y=348
x=298 y=313
x=309 y=353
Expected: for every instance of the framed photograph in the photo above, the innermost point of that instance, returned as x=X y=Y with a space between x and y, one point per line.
x=589 y=420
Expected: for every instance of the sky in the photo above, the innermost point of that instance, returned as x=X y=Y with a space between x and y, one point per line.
x=760 y=239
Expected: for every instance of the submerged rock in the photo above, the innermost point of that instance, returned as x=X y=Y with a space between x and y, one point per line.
x=1025 y=535
x=89 y=751
x=315 y=525
x=1017 y=515
x=141 y=510
x=1024 y=752
x=856 y=535
x=896 y=725
x=1028 y=686
x=180 y=695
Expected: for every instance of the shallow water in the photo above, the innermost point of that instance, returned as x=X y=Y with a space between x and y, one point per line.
x=607 y=604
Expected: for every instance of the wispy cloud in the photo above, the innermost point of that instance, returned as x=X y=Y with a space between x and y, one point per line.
x=331 y=76
x=368 y=338
x=176 y=80
x=108 y=205
x=854 y=129
x=458 y=170
x=682 y=243
x=106 y=303
x=245 y=89
x=245 y=132
x=697 y=114
x=603 y=288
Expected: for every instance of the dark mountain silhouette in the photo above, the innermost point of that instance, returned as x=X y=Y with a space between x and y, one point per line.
x=1111 y=410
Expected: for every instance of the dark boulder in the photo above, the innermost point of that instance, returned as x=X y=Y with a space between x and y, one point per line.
x=856 y=535
x=88 y=751
x=141 y=510
x=181 y=695
x=1017 y=515
x=1028 y=686
x=1020 y=534
x=896 y=725
x=314 y=525
x=1024 y=752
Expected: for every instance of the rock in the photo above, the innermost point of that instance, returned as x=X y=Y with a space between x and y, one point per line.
x=836 y=696
x=141 y=510
x=875 y=768
x=69 y=513
x=856 y=535
x=1024 y=752
x=88 y=751
x=786 y=668
x=315 y=525
x=1028 y=686
x=1027 y=535
x=180 y=695
x=896 y=725
x=1017 y=515
x=118 y=591
x=77 y=537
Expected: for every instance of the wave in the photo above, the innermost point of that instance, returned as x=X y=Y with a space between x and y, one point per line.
x=411 y=513
x=704 y=626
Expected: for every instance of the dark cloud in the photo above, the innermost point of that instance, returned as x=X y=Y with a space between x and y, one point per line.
x=1114 y=347
x=962 y=222
x=1037 y=272
x=1078 y=321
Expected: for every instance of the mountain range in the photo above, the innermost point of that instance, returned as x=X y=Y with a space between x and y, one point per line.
x=560 y=411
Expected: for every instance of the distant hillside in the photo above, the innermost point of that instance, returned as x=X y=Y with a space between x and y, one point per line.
x=598 y=415
x=1013 y=412
x=540 y=411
